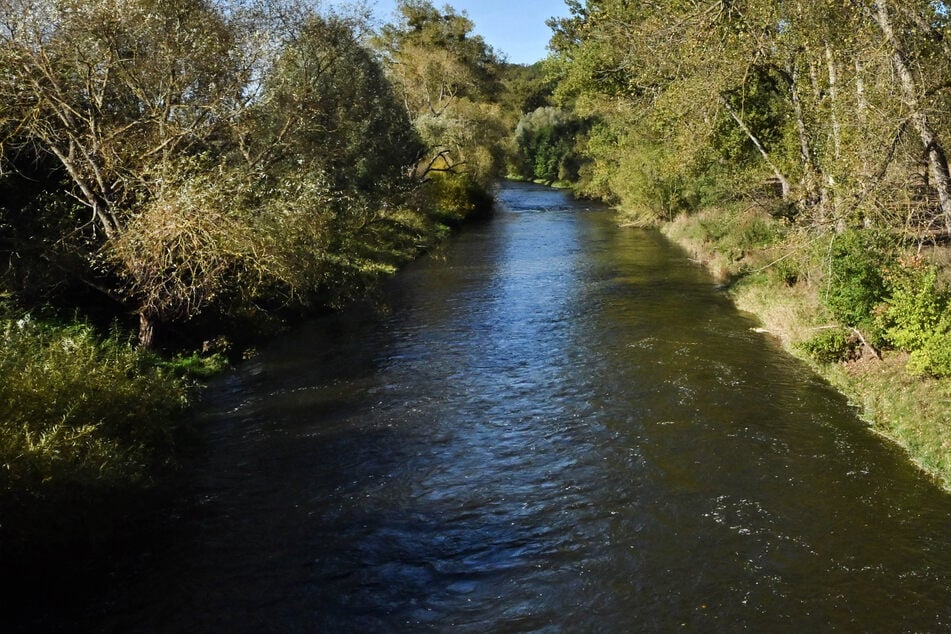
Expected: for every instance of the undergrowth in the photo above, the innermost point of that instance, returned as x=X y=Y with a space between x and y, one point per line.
x=82 y=417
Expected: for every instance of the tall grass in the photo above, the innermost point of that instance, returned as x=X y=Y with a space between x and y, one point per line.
x=81 y=417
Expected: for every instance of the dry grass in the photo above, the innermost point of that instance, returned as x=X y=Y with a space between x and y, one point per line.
x=792 y=313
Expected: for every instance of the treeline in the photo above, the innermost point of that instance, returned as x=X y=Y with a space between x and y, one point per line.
x=208 y=165
x=799 y=150
x=185 y=157
x=819 y=129
x=842 y=105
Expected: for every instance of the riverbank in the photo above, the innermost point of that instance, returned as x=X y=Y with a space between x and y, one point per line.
x=777 y=275
x=94 y=428
x=636 y=450
x=90 y=428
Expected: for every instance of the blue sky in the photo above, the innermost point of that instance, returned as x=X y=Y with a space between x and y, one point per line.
x=515 y=28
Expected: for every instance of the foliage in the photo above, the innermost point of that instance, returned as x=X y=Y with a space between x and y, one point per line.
x=735 y=232
x=829 y=346
x=198 y=366
x=546 y=143
x=447 y=79
x=917 y=319
x=233 y=157
x=80 y=413
x=524 y=90
x=833 y=103
x=855 y=285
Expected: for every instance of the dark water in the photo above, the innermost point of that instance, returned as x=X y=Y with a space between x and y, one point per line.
x=559 y=425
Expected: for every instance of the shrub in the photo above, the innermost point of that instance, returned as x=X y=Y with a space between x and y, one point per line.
x=198 y=366
x=786 y=271
x=856 y=284
x=917 y=319
x=829 y=346
x=79 y=416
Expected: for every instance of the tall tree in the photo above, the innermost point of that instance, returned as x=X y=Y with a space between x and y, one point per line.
x=912 y=93
x=117 y=91
x=224 y=152
x=447 y=78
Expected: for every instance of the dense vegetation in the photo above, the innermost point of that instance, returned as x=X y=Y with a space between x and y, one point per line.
x=188 y=170
x=799 y=148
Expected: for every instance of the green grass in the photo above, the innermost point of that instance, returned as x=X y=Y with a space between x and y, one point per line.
x=914 y=412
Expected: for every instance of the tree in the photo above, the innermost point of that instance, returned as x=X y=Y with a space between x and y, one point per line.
x=912 y=95
x=447 y=80
x=806 y=87
x=116 y=90
x=672 y=70
x=228 y=155
x=545 y=139
x=333 y=136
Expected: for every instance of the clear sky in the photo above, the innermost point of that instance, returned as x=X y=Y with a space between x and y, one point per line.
x=515 y=28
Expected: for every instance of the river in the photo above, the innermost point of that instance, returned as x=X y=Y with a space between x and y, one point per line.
x=552 y=424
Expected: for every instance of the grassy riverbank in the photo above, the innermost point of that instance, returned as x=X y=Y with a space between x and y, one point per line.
x=781 y=275
x=90 y=427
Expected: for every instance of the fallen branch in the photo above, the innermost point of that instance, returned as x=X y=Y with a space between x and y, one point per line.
x=865 y=344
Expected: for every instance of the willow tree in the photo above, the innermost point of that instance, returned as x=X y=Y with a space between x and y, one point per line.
x=446 y=77
x=332 y=134
x=113 y=88
x=118 y=91
x=227 y=154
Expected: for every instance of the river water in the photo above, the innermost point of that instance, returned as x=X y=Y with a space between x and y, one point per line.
x=553 y=424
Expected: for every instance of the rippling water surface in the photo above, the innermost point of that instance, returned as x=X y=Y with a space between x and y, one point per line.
x=555 y=425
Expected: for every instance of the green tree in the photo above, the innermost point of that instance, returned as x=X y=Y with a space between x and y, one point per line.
x=228 y=155
x=447 y=79
x=546 y=139
x=116 y=91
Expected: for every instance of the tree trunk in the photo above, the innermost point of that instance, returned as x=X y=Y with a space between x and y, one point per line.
x=783 y=181
x=833 y=71
x=937 y=159
x=810 y=173
x=147 y=323
x=834 y=101
x=861 y=102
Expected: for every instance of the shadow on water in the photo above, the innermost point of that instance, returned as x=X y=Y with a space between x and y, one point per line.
x=559 y=425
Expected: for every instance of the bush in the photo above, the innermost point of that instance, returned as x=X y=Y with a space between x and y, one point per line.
x=198 y=366
x=829 y=346
x=856 y=284
x=736 y=233
x=787 y=271
x=917 y=319
x=80 y=416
